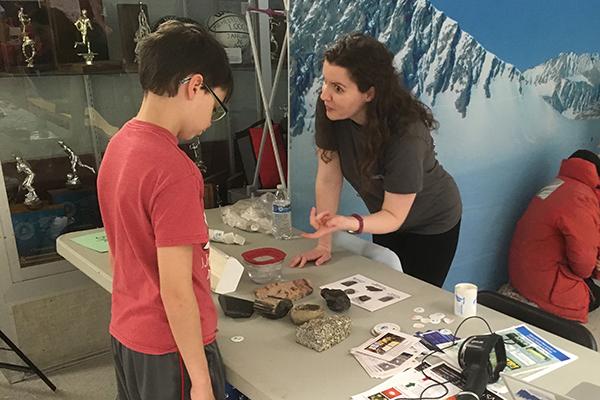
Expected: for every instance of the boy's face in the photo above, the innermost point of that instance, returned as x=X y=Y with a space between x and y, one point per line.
x=200 y=110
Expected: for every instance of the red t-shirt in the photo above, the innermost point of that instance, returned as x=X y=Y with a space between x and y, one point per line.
x=151 y=195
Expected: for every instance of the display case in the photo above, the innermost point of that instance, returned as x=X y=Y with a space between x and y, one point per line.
x=62 y=97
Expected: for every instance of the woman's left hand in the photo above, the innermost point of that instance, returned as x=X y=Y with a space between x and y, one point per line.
x=328 y=224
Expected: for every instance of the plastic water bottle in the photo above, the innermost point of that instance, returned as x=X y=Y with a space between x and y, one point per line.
x=282 y=214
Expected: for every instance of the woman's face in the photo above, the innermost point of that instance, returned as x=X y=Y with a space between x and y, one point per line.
x=342 y=98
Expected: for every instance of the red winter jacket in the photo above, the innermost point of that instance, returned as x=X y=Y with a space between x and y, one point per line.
x=556 y=242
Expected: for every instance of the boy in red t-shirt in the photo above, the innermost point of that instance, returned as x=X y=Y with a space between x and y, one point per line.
x=163 y=323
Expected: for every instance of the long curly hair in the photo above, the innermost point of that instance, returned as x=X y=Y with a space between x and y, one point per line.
x=370 y=64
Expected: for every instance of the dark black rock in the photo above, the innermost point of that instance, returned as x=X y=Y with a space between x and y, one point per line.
x=336 y=299
x=273 y=308
x=235 y=307
x=374 y=289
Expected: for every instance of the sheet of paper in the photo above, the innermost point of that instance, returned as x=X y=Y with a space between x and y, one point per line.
x=413 y=384
x=380 y=369
x=367 y=293
x=387 y=346
x=95 y=241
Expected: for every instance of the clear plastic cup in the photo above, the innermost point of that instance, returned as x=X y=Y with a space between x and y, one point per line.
x=264 y=264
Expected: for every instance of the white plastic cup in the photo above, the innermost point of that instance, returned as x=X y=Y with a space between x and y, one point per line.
x=465 y=300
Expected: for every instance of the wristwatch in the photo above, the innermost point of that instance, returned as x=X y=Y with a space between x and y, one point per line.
x=360 y=224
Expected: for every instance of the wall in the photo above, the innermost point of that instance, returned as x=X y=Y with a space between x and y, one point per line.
x=503 y=128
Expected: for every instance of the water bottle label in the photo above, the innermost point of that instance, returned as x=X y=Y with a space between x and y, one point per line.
x=281 y=209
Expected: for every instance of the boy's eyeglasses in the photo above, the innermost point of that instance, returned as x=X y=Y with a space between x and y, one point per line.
x=220 y=110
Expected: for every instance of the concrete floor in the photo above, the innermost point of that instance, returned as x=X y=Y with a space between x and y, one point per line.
x=92 y=379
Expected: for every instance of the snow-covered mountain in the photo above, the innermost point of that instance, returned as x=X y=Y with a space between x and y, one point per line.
x=434 y=55
x=431 y=51
x=570 y=83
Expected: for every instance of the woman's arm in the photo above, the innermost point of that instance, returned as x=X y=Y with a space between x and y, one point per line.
x=328 y=186
x=390 y=218
x=578 y=225
x=393 y=213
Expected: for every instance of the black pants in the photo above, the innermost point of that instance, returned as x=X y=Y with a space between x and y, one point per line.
x=162 y=377
x=594 y=294
x=426 y=257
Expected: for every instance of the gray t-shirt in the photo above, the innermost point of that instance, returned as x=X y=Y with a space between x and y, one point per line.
x=407 y=165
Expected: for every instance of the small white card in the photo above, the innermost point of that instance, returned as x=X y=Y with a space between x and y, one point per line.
x=387 y=346
x=367 y=293
x=225 y=271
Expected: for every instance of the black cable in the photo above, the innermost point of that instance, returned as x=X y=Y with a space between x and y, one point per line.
x=437 y=383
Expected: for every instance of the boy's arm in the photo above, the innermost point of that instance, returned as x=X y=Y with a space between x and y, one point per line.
x=176 y=291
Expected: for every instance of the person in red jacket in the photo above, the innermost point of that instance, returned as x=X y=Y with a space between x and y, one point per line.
x=554 y=251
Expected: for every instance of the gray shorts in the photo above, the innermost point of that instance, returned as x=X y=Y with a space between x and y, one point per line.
x=162 y=377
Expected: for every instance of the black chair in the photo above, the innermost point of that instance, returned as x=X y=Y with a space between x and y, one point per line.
x=570 y=330
x=30 y=367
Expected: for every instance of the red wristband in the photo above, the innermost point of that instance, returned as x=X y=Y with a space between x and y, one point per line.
x=360 y=224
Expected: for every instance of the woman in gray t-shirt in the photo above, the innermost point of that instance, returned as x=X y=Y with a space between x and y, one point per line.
x=376 y=134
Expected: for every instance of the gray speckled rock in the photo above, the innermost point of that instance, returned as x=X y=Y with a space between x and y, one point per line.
x=322 y=333
x=302 y=313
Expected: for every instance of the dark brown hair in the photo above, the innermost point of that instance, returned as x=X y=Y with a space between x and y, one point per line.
x=178 y=49
x=370 y=64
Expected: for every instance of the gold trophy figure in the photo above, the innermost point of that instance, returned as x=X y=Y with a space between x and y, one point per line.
x=28 y=45
x=142 y=31
x=83 y=24
x=195 y=147
x=32 y=200
x=23 y=19
x=28 y=50
x=73 y=180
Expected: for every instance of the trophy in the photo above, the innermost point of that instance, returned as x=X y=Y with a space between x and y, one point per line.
x=72 y=178
x=32 y=200
x=194 y=146
x=142 y=30
x=82 y=24
x=28 y=45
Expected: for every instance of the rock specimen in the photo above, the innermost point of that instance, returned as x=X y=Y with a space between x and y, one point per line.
x=305 y=312
x=322 y=333
x=336 y=299
x=273 y=308
x=291 y=290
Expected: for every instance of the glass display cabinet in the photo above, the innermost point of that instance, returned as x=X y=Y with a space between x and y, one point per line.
x=68 y=81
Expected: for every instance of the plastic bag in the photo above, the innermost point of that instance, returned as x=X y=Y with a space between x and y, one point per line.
x=252 y=214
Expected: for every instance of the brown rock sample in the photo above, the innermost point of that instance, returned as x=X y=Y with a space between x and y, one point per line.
x=305 y=312
x=291 y=290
